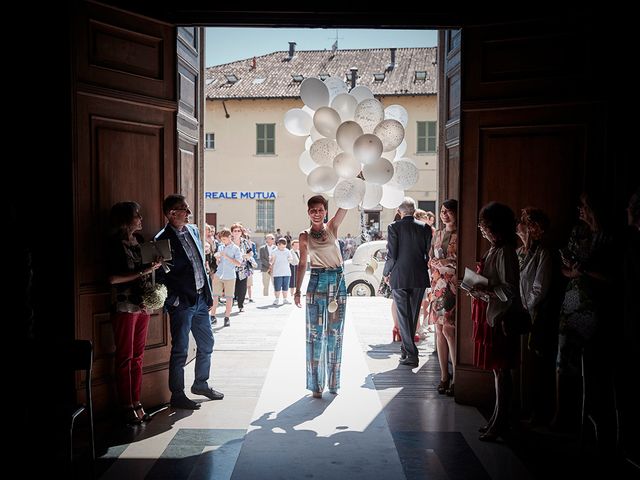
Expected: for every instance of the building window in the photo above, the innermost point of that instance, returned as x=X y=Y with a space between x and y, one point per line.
x=265 y=216
x=426 y=137
x=266 y=138
x=210 y=141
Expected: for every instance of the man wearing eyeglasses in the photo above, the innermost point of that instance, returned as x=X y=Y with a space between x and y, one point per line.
x=188 y=301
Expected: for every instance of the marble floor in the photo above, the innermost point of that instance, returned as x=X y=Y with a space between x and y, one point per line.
x=387 y=422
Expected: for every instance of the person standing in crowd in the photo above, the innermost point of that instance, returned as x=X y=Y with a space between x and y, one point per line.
x=431 y=220
x=251 y=263
x=129 y=316
x=264 y=253
x=444 y=288
x=536 y=274
x=326 y=296
x=495 y=311
x=188 y=301
x=281 y=259
x=244 y=269
x=408 y=243
x=584 y=318
x=224 y=280
x=295 y=252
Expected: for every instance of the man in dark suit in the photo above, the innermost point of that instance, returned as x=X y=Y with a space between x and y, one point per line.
x=408 y=242
x=188 y=301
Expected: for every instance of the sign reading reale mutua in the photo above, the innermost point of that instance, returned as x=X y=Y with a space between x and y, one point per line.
x=240 y=195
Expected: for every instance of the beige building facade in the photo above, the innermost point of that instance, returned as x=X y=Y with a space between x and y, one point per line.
x=245 y=182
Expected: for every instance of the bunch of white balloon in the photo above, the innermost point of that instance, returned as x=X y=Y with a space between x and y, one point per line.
x=350 y=137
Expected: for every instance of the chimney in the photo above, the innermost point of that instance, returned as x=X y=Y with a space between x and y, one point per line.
x=292 y=49
x=392 y=65
x=253 y=63
x=354 y=75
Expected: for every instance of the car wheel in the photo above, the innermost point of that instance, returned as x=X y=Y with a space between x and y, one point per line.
x=361 y=288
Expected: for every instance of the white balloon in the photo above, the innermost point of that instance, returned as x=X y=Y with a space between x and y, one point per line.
x=378 y=172
x=329 y=193
x=397 y=112
x=336 y=86
x=323 y=151
x=390 y=132
x=372 y=195
x=405 y=174
x=308 y=142
x=367 y=148
x=361 y=93
x=310 y=111
x=315 y=134
x=306 y=163
x=345 y=104
x=322 y=179
x=314 y=93
x=391 y=197
x=369 y=113
x=326 y=120
x=400 y=151
x=346 y=165
x=298 y=122
x=347 y=134
x=349 y=193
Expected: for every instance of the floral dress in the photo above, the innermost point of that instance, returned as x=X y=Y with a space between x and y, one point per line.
x=444 y=282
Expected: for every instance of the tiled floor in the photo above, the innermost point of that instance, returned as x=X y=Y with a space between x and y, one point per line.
x=387 y=422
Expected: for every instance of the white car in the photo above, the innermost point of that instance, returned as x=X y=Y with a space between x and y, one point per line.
x=359 y=283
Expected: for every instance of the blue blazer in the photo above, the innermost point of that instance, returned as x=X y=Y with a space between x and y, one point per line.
x=181 y=280
x=408 y=243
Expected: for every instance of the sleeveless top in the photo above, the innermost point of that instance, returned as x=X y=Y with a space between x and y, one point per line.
x=325 y=252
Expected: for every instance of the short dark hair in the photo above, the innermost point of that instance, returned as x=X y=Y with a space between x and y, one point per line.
x=318 y=199
x=500 y=220
x=171 y=201
x=451 y=204
x=282 y=240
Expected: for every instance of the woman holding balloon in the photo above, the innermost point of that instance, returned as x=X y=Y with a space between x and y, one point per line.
x=326 y=297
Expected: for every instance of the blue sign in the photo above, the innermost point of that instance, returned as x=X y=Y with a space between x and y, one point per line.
x=240 y=195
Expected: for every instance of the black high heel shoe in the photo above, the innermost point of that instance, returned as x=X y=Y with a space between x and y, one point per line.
x=484 y=429
x=141 y=414
x=130 y=417
x=443 y=386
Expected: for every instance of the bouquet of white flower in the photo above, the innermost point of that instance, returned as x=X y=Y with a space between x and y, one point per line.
x=154 y=296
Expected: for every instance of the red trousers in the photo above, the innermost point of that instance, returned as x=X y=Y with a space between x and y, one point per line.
x=130 y=336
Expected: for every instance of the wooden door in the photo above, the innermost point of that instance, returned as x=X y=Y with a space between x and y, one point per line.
x=125 y=149
x=528 y=137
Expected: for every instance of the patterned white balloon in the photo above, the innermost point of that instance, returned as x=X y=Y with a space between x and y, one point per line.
x=361 y=93
x=369 y=113
x=347 y=134
x=397 y=112
x=367 y=148
x=322 y=179
x=345 y=104
x=298 y=122
x=378 y=172
x=336 y=86
x=346 y=165
x=323 y=151
x=349 y=193
x=372 y=195
x=314 y=93
x=306 y=163
x=326 y=120
x=391 y=197
x=405 y=174
x=390 y=132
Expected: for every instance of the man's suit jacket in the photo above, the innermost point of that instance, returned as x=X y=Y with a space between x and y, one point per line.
x=408 y=243
x=181 y=280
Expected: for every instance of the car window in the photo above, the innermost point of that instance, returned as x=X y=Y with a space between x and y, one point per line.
x=381 y=255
